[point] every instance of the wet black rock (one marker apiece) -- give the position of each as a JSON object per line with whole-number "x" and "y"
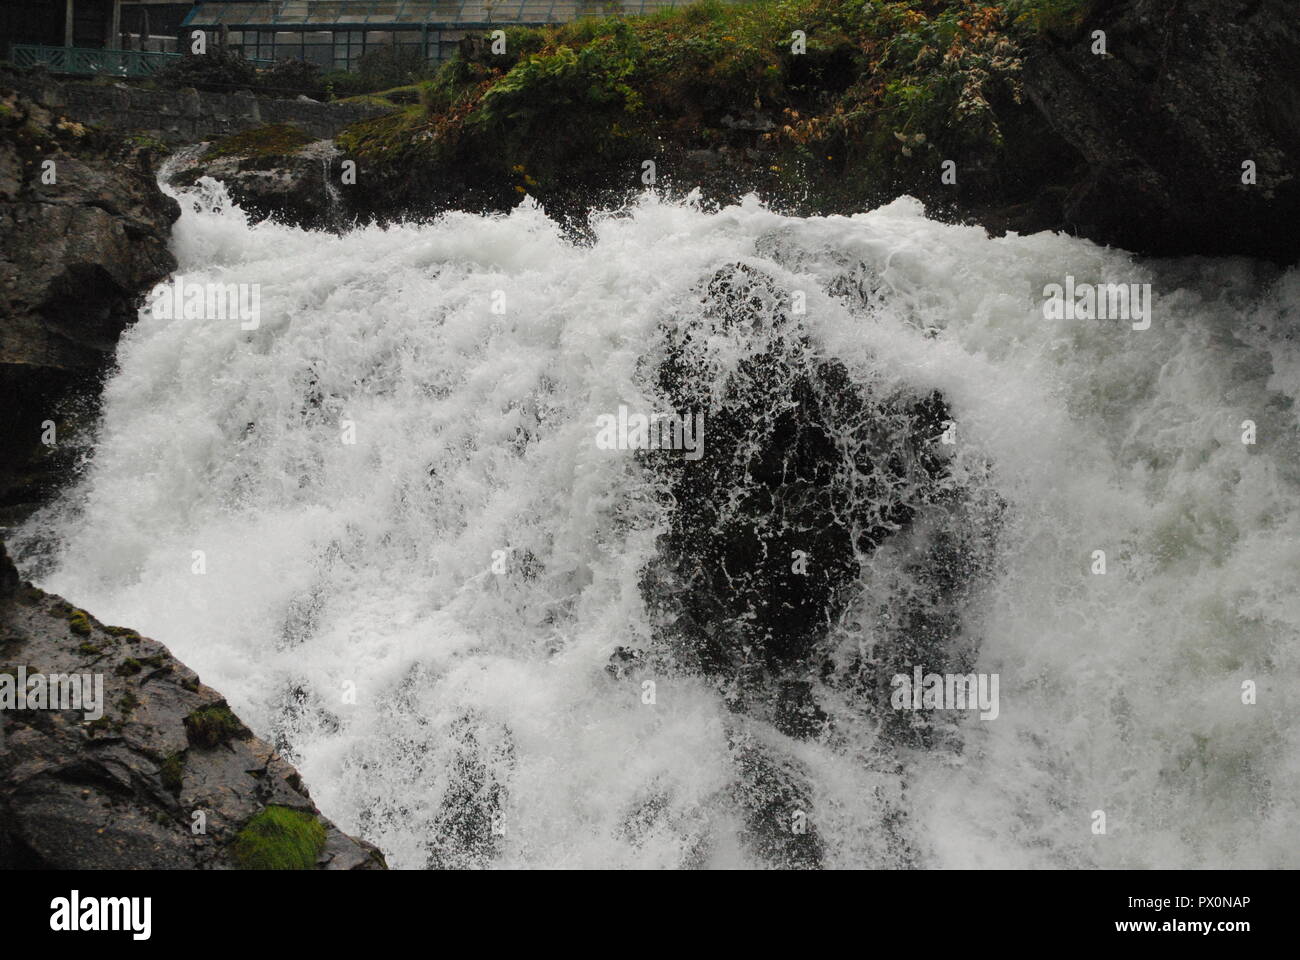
{"x": 84, "y": 233}
{"x": 803, "y": 473}
{"x": 1185, "y": 94}
{"x": 298, "y": 183}
{"x": 126, "y": 790}
{"x": 809, "y": 470}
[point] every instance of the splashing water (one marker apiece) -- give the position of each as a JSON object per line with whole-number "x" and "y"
{"x": 352, "y": 609}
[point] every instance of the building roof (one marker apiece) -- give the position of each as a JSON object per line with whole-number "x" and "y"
{"x": 326, "y": 14}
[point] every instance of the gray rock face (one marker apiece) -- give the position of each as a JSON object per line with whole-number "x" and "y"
{"x": 125, "y": 790}
{"x": 84, "y": 232}
{"x": 185, "y": 115}
{"x": 1185, "y": 94}
{"x": 300, "y": 187}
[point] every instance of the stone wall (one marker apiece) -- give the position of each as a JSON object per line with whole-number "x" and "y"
{"x": 184, "y": 116}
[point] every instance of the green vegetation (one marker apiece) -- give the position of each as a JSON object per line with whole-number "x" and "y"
{"x": 279, "y": 838}
{"x": 1057, "y": 15}
{"x": 172, "y": 772}
{"x": 393, "y": 97}
{"x": 290, "y": 78}
{"x": 147, "y": 142}
{"x": 217, "y": 71}
{"x": 79, "y": 622}
{"x": 213, "y": 726}
{"x": 379, "y": 69}
{"x": 131, "y": 666}
{"x": 274, "y": 139}
{"x": 882, "y": 91}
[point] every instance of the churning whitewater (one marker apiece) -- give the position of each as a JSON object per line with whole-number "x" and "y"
{"x": 426, "y": 582}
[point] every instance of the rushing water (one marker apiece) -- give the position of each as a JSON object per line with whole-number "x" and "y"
{"x": 455, "y": 715}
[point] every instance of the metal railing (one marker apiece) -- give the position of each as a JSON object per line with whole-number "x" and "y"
{"x": 82, "y": 61}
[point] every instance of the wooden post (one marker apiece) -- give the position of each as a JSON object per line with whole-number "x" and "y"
{"x": 115, "y": 27}
{"x": 69, "y": 18}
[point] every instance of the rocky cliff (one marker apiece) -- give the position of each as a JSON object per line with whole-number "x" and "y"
{"x": 1166, "y": 127}
{"x": 1185, "y": 97}
{"x": 84, "y": 232}
{"x": 167, "y": 777}
{"x": 159, "y": 773}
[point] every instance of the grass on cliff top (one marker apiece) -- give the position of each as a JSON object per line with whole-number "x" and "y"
{"x": 272, "y": 140}
{"x": 884, "y": 87}
{"x": 393, "y": 97}
{"x": 279, "y": 838}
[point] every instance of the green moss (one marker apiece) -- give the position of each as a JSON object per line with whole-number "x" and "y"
{"x": 128, "y": 702}
{"x": 79, "y": 622}
{"x": 131, "y": 666}
{"x": 274, "y": 140}
{"x": 172, "y": 772}
{"x": 213, "y": 726}
{"x": 382, "y": 138}
{"x": 122, "y": 633}
{"x": 89, "y": 650}
{"x": 279, "y": 838}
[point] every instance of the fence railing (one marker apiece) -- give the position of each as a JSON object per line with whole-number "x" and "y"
{"x": 87, "y": 62}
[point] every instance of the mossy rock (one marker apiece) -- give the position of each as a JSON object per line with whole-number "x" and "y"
{"x": 172, "y": 772}
{"x": 275, "y": 140}
{"x": 79, "y": 623}
{"x": 131, "y": 666}
{"x": 279, "y": 838}
{"x": 146, "y": 142}
{"x": 213, "y": 726}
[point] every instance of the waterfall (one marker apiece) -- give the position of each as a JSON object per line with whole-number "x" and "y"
{"x": 425, "y": 581}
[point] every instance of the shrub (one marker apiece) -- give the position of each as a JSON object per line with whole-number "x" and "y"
{"x": 217, "y": 71}
{"x": 292, "y": 78}
{"x": 340, "y": 84}
{"x": 387, "y": 67}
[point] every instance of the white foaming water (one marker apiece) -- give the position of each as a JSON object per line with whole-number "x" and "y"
{"x": 366, "y": 568}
